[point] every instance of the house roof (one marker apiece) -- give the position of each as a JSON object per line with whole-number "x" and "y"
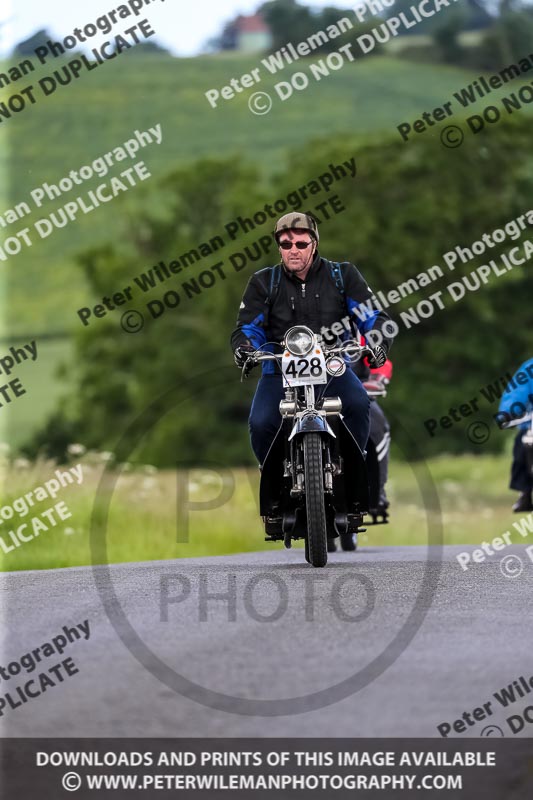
{"x": 252, "y": 24}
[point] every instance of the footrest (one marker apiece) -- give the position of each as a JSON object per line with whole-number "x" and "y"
{"x": 274, "y": 526}
{"x": 354, "y": 521}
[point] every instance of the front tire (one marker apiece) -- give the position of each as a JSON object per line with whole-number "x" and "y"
{"x": 314, "y": 498}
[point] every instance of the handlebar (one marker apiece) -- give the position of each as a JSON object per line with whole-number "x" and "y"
{"x": 512, "y": 423}
{"x": 351, "y": 348}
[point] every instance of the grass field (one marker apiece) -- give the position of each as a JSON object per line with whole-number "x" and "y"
{"x": 44, "y": 385}
{"x": 144, "y": 524}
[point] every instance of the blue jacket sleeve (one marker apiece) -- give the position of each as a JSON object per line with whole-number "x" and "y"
{"x": 363, "y": 307}
{"x": 252, "y": 316}
{"x": 517, "y": 397}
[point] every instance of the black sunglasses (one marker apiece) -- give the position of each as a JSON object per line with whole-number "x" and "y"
{"x": 290, "y": 245}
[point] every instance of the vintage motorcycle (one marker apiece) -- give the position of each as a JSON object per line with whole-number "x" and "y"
{"x": 313, "y": 481}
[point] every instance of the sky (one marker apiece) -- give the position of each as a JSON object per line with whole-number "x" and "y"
{"x": 183, "y": 26}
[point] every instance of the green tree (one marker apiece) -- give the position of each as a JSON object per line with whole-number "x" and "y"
{"x": 474, "y": 16}
{"x": 288, "y": 21}
{"x": 446, "y": 36}
{"x": 28, "y": 46}
{"x": 508, "y": 40}
{"x": 118, "y": 375}
{"x": 148, "y": 48}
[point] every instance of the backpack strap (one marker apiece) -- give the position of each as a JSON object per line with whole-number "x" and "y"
{"x": 336, "y": 274}
{"x": 275, "y": 280}
{"x": 338, "y": 278}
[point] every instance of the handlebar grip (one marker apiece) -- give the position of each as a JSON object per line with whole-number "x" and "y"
{"x": 248, "y": 365}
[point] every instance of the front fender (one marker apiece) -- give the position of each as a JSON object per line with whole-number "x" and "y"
{"x": 313, "y": 422}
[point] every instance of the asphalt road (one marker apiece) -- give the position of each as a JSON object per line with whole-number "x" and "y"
{"x": 384, "y": 642}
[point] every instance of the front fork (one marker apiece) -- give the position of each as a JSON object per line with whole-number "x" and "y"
{"x": 306, "y": 422}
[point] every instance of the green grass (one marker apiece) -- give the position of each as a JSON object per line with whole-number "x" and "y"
{"x": 143, "y": 523}
{"x": 44, "y": 386}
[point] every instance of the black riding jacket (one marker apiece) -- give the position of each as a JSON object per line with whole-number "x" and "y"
{"x": 315, "y": 302}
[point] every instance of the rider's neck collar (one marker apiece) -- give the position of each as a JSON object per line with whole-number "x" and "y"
{"x": 314, "y": 266}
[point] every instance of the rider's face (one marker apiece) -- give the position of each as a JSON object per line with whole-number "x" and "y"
{"x": 296, "y": 260}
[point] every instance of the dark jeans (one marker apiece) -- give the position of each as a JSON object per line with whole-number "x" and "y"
{"x": 265, "y": 418}
{"x": 521, "y": 480}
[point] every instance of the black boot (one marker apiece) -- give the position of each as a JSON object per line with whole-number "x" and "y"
{"x": 523, "y": 503}
{"x": 332, "y": 545}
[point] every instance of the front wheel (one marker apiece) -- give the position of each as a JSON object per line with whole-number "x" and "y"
{"x": 316, "y": 545}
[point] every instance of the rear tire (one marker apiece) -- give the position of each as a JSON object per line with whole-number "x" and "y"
{"x": 314, "y": 498}
{"x": 347, "y": 542}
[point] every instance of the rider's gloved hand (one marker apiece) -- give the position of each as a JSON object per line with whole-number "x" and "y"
{"x": 378, "y": 358}
{"x": 242, "y": 353}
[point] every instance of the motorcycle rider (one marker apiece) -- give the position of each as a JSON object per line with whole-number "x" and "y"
{"x": 520, "y": 395}
{"x": 307, "y": 295}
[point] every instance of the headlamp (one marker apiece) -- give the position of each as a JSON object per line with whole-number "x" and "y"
{"x": 299, "y": 340}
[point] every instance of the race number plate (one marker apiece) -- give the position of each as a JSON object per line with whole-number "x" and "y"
{"x": 302, "y": 370}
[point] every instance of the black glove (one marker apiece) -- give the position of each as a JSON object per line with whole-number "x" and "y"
{"x": 242, "y": 353}
{"x": 378, "y": 358}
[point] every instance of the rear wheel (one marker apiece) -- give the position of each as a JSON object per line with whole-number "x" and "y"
{"x": 347, "y": 542}
{"x": 316, "y": 544}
